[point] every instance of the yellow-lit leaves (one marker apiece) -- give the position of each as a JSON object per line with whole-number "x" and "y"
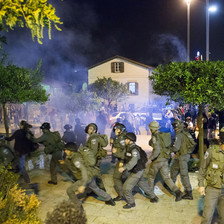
{"x": 34, "y": 14}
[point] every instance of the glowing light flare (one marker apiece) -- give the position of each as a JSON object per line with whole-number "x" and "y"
{"x": 188, "y": 2}
{"x": 212, "y": 9}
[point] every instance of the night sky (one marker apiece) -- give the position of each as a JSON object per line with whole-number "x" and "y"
{"x": 148, "y": 31}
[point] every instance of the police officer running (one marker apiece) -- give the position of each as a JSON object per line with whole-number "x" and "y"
{"x": 119, "y": 153}
{"x": 83, "y": 166}
{"x": 94, "y": 143}
{"x": 181, "y": 158}
{"x": 133, "y": 164}
{"x": 212, "y": 171}
{"x": 53, "y": 146}
{"x": 159, "y": 157}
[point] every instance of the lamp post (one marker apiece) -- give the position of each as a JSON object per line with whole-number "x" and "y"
{"x": 188, "y": 29}
{"x": 208, "y": 10}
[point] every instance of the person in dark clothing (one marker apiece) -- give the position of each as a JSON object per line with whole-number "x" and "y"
{"x": 220, "y": 113}
{"x": 211, "y": 126}
{"x": 69, "y": 135}
{"x": 188, "y": 114}
{"x": 22, "y": 147}
{"x": 80, "y": 135}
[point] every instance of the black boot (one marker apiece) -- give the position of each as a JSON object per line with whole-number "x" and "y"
{"x": 35, "y": 187}
{"x": 52, "y": 182}
{"x": 188, "y": 195}
{"x": 154, "y": 200}
{"x": 127, "y": 206}
{"x": 178, "y": 195}
{"x": 110, "y": 202}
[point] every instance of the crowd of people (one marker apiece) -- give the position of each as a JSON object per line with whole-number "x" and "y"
{"x": 79, "y": 153}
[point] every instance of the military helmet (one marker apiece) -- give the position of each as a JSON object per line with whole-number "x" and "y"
{"x": 91, "y": 125}
{"x": 119, "y": 126}
{"x": 67, "y": 127}
{"x": 154, "y": 125}
{"x": 131, "y": 136}
{"x": 178, "y": 124}
{"x": 45, "y": 125}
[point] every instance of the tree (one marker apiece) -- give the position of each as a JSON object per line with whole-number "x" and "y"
{"x": 19, "y": 85}
{"x": 198, "y": 82}
{"x": 33, "y": 14}
{"x": 109, "y": 90}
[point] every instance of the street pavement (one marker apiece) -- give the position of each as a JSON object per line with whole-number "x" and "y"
{"x": 166, "y": 211}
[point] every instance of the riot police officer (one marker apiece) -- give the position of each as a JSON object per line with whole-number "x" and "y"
{"x": 181, "y": 158}
{"x": 133, "y": 164}
{"x": 94, "y": 143}
{"x": 212, "y": 170}
{"x": 159, "y": 157}
{"x": 83, "y": 166}
{"x": 119, "y": 152}
{"x": 53, "y": 146}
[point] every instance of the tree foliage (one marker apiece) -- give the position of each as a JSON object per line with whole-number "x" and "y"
{"x": 109, "y": 90}
{"x": 19, "y": 85}
{"x": 198, "y": 82}
{"x": 34, "y": 14}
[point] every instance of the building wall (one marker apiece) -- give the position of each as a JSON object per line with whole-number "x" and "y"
{"x": 132, "y": 73}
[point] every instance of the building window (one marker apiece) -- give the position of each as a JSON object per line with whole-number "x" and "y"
{"x": 133, "y": 88}
{"x": 117, "y": 67}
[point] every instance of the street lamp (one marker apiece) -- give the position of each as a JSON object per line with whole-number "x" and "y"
{"x": 188, "y": 29}
{"x": 208, "y": 10}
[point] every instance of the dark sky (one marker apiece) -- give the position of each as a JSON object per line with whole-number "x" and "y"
{"x": 148, "y": 31}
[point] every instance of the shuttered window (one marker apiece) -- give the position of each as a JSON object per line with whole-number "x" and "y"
{"x": 117, "y": 67}
{"x": 133, "y": 88}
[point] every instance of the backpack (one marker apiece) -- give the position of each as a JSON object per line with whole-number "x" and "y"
{"x": 165, "y": 139}
{"x": 102, "y": 153}
{"x": 142, "y": 161}
{"x": 188, "y": 142}
{"x": 87, "y": 156}
{"x": 56, "y": 136}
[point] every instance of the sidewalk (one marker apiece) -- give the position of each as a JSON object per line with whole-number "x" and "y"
{"x": 166, "y": 211}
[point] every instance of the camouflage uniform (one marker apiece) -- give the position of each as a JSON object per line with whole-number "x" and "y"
{"x": 180, "y": 161}
{"x": 159, "y": 158}
{"x": 136, "y": 177}
{"x": 119, "y": 144}
{"x": 93, "y": 143}
{"x": 212, "y": 171}
{"x": 85, "y": 173}
{"x": 54, "y": 148}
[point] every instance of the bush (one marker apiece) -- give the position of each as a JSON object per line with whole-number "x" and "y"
{"x": 67, "y": 212}
{"x": 15, "y": 205}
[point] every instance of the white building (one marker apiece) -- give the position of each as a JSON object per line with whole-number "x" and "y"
{"x": 126, "y": 71}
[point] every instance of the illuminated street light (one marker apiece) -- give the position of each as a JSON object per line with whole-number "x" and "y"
{"x": 208, "y": 10}
{"x": 188, "y": 29}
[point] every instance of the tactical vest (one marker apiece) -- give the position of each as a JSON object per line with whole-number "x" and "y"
{"x": 165, "y": 143}
{"x": 215, "y": 171}
{"x": 102, "y": 141}
{"x": 119, "y": 144}
{"x": 53, "y": 143}
{"x": 141, "y": 161}
{"x": 86, "y": 157}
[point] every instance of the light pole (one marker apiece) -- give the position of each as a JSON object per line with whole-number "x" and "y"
{"x": 208, "y": 9}
{"x": 188, "y": 29}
